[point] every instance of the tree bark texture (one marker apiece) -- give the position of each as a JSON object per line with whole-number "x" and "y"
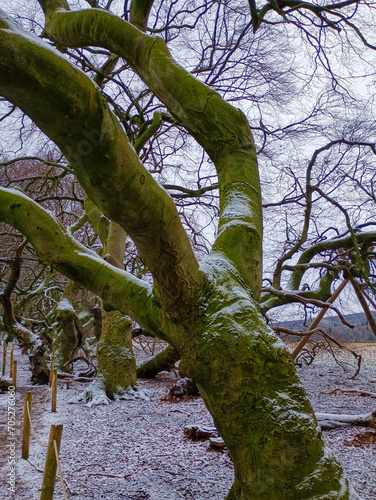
{"x": 247, "y": 380}
{"x": 116, "y": 362}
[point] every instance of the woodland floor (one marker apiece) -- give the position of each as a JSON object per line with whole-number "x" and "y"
{"x": 137, "y": 449}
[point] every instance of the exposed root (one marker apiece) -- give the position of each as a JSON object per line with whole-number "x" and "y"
{"x": 95, "y": 394}
{"x": 135, "y": 392}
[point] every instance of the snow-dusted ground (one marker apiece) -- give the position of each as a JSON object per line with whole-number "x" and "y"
{"x": 137, "y": 450}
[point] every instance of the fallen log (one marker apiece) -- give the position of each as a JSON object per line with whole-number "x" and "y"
{"x": 326, "y": 421}
{"x": 199, "y": 432}
{"x": 163, "y": 360}
{"x": 217, "y": 443}
{"x": 329, "y": 421}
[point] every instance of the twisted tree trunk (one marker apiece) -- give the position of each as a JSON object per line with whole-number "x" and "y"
{"x": 248, "y": 382}
{"x": 116, "y": 374}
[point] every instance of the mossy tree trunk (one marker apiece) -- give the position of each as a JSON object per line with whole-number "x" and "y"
{"x": 209, "y": 313}
{"x": 248, "y": 382}
{"x": 116, "y": 361}
{"x": 36, "y": 346}
{"x": 70, "y": 336}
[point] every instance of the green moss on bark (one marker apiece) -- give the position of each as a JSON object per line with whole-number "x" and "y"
{"x": 221, "y": 129}
{"x": 76, "y": 117}
{"x": 248, "y": 382}
{"x": 116, "y": 363}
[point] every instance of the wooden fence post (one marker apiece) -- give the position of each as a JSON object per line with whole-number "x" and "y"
{"x": 11, "y": 359}
{"x": 54, "y": 391}
{"x": 51, "y": 370}
{"x": 14, "y": 373}
{"x": 26, "y": 425}
{"x": 50, "y": 467}
{"x": 5, "y": 347}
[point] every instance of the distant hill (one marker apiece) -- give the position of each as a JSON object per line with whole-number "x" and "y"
{"x": 334, "y": 327}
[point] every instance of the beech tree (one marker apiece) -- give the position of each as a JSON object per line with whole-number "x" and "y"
{"x": 208, "y": 310}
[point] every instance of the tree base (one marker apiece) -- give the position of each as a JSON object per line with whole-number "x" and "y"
{"x": 95, "y": 394}
{"x": 313, "y": 487}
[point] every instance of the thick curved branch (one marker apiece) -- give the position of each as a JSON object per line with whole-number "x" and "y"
{"x": 332, "y": 244}
{"x": 76, "y": 117}
{"x": 218, "y": 127}
{"x": 118, "y": 289}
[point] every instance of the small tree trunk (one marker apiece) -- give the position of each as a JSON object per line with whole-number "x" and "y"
{"x": 116, "y": 362}
{"x": 40, "y": 374}
{"x": 71, "y": 335}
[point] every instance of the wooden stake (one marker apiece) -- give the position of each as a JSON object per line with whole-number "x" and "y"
{"x": 5, "y": 347}
{"x": 54, "y": 391}
{"x": 14, "y": 373}
{"x": 11, "y": 359}
{"x": 319, "y": 317}
{"x": 51, "y": 370}
{"x": 26, "y": 425}
{"x": 49, "y": 476}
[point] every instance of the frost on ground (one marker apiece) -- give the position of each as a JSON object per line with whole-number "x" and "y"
{"x": 135, "y": 448}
